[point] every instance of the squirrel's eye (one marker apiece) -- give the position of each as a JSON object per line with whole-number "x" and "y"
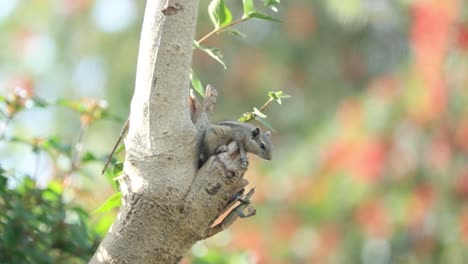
{"x": 262, "y": 146}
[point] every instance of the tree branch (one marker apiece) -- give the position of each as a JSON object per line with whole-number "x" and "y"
{"x": 167, "y": 204}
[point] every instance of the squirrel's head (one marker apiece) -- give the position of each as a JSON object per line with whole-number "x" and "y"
{"x": 263, "y": 143}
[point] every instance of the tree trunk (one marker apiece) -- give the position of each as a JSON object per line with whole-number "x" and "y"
{"x": 167, "y": 203}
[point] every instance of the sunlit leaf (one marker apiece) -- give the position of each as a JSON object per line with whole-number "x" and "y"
{"x": 115, "y": 200}
{"x": 219, "y": 14}
{"x": 212, "y": 52}
{"x": 271, "y": 2}
{"x": 249, "y": 7}
{"x": 118, "y": 168}
{"x": 262, "y": 16}
{"x": 103, "y": 223}
{"x": 234, "y": 32}
{"x": 196, "y": 84}
{"x": 258, "y": 113}
{"x": 88, "y": 156}
{"x": 278, "y": 96}
{"x": 247, "y": 117}
{"x": 119, "y": 149}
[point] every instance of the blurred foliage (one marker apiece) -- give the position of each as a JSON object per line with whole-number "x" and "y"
{"x": 37, "y": 226}
{"x": 370, "y": 155}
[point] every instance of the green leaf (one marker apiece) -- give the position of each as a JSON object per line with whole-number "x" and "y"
{"x": 196, "y": 84}
{"x": 265, "y": 123}
{"x": 247, "y": 117}
{"x": 249, "y": 7}
{"x": 273, "y": 95}
{"x": 234, "y": 32}
{"x": 212, "y": 52}
{"x": 278, "y": 95}
{"x": 258, "y": 113}
{"x": 219, "y": 14}
{"x": 88, "y": 156}
{"x": 118, "y": 168}
{"x": 262, "y": 16}
{"x": 103, "y": 223}
{"x": 56, "y": 144}
{"x": 271, "y": 2}
{"x": 115, "y": 200}
{"x": 3, "y": 181}
{"x": 119, "y": 149}
{"x": 37, "y": 102}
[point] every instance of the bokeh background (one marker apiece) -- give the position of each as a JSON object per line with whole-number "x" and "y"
{"x": 370, "y": 160}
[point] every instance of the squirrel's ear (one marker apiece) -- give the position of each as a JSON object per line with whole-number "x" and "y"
{"x": 255, "y": 132}
{"x": 268, "y": 134}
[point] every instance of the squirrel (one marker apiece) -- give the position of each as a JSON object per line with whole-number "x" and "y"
{"x": 249, "y": 138}
{"x": 215, "y": 136}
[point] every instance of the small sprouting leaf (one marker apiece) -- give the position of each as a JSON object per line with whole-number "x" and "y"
{"x": 196, "y": 84}
{"x": 220, "y": 15}
{"x": 113, "y": 201}
{"x": 258, "y": 113}
{"x": 212, "y": 52}
{"x": 265, "y": 123}
{"x": 247, "y": 117}
{"x": 262, "y": 16}
{"x": 273, "y": 95}
{"x": 248, "y": 7}
{"x": 234, "y": 32}
{"x": 278, "y": 95}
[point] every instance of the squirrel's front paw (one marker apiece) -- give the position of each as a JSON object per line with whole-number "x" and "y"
{"x": 221, "y": 149}
{"x": 244, "y": 163}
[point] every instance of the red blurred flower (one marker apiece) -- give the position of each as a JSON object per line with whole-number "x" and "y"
{"x": 461, "y": 184}
{"x": 373, "y": 218}
{"x": 329, "y": 238}
{"x": 439, "y": 154}
{"x": 464, "y": 226}
{"x": 430, "y": 36}
{"x": 300, "y": 22}
{"x": 419, "y": 205}
{"x": 368, "y": 160}
{"x": 462, "y": 36}
{"x": 461, "y": 135}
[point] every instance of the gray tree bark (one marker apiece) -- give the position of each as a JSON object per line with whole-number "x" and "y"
{"x": 167, "y": 203}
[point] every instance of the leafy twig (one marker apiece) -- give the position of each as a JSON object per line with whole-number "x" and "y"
{"x": 217, "y": 30}
{"x": 258, "y": 114}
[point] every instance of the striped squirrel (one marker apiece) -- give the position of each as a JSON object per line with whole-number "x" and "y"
{"x": 249, "y": 138}
{"x": 215, "y": 136}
